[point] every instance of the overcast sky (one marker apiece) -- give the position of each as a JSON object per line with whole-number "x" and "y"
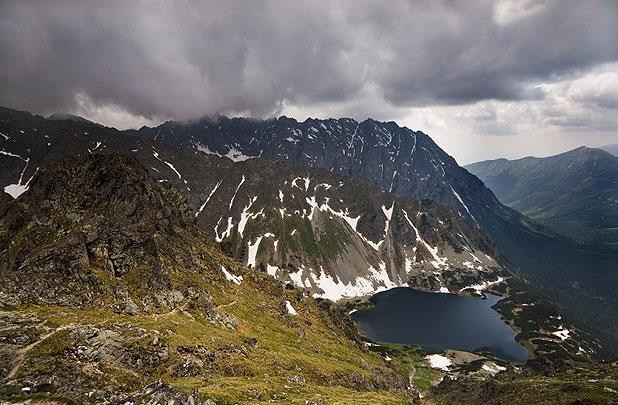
{"x": 485, "y": 79}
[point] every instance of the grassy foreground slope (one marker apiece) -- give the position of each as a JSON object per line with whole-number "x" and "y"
{"x": 268, "y": 354}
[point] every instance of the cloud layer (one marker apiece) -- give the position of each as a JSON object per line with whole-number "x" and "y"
{"x": 146, "y": 60}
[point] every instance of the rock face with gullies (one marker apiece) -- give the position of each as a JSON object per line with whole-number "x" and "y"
{"x": 315, "y": 228}
{"x": 339, "y": 237}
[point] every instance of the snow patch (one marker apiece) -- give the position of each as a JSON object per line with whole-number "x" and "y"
{"x": 15, "y": 190}
{"x": 246, "y": 216}
{"x": 230, "y": 277}
{"x": 438, "y": 361}
{"x": 156, "y": 155}
{"x": 233, "y": 154}
{"x": 388, "y": 213}
{"x": 482, "y": 286}
{"x": 208, "y": 198}
{"x": 493, "y": 368}
{"x": 334, "y": 290}
{"x": 562, "y": 333}
{"x": 290, "y": 308}
{"x": 226, "y": 233}
{"x": 253, "y": 250}
{"x": 271, "y": 270}
{"x": 464, "y": 205}
{"x": 3, "y": 152}
{"x": 237, "y": 188}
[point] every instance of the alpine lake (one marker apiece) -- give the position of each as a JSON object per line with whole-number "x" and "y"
{"x": 436, "y": 321}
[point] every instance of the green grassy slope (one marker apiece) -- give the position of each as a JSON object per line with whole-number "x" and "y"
{"x": 575, "y": 193}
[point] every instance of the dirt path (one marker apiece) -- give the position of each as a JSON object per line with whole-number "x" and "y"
{"x": 21, "y": 353}
{"x": 226, "y": 305}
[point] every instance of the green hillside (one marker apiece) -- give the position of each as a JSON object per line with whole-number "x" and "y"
{"x": 575, "y": 193}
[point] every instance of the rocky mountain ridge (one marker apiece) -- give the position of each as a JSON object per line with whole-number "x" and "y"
{"x": 346, "y": 244}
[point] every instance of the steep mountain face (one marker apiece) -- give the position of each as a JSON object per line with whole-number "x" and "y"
{"x": 335, "y": 236}
{"x": 396, "y": 159}
{"x": 340, "y": 237}
{"x": 575, "y": 193}
{"x": 108, "y": 288}
{"x": 582, "y": 279}
{"x": 112, "y": 215}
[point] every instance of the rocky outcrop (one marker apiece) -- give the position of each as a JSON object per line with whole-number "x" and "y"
{"x": 108, "y": 288}
{"x": 96, "y": 231}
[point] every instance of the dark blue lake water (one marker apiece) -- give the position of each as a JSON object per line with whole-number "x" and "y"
{"x": 436, "y": 322}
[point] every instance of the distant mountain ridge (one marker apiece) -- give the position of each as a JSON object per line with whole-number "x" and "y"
{"x": 575, "y": 193}
{"x": 613, "y": 148}
{"x": 69, "y": 117}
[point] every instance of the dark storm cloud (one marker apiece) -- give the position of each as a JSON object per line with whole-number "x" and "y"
{"x": 184, "y": 58}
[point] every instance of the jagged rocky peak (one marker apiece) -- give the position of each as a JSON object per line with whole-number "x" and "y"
{"x": 394, "y": 158}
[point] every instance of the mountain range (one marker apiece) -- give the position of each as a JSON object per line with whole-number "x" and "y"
{"x": 574, "y": 193}
{"x": 215, "y": 248}
{"x": 470, "y": 239}
{"x": 308, "y": 226}
{"x": 112, "y": 293}
{"x": 408, "y": 163}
